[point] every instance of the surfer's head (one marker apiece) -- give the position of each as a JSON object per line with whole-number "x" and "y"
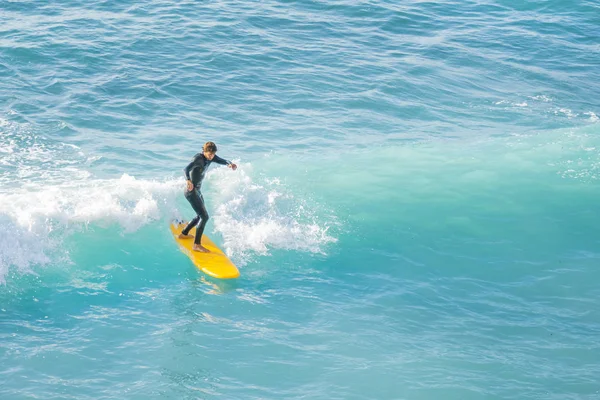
{"x": 209, "y": 149}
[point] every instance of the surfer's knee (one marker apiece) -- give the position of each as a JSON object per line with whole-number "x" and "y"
{"x": 202, "y": 218}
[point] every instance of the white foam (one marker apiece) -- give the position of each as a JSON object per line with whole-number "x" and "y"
{"x": 570, "y": 114}
{"x": 255, "y": 217}
{"x": 521, "y": 104}
{"x": 543, "y": 98}
{"x": 593, "y": 116}
{"x": 251, "y": 216}
{"x": 31, "y": 215}
{"x": 20, "y": 248}
{"x": 126, "y": 201}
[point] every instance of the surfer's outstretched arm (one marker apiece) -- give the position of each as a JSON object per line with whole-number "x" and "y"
{"x": 222, "y": 161}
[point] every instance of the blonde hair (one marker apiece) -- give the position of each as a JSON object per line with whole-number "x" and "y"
{"x": 210, "y": 147}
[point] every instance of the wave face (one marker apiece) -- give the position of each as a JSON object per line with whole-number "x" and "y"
{"x": 414, "y": 213}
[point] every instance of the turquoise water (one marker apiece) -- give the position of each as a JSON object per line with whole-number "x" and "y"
{"x": 415, "y": 213}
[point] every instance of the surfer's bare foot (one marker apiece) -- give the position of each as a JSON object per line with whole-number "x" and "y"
{"x": 200, "y": 248}
{"x": 182, "y": 236}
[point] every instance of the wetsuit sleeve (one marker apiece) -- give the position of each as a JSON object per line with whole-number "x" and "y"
{"x": 221, "y": 161}
{"x": 191, "y": 165}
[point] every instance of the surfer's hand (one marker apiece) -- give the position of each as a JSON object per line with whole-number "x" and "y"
{"x": 232, "y": 166}
{"x": 190, "y": 186}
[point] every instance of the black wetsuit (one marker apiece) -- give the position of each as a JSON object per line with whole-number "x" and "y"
{"x": 195, "y": 172}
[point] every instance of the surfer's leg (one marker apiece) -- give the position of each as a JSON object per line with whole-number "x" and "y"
{"x": 197, "y": 202}
{"x": 203, "y": 214}
{"x": 192, "y": 198}
{"x": 189, "y": 226}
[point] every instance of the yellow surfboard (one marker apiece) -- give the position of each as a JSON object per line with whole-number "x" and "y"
{"x": 215, "y": 263}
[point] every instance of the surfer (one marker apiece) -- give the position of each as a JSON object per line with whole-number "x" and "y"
{"x": 194, "y": 173}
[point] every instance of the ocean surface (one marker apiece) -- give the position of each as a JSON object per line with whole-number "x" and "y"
{"x": 415, "y": 214}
